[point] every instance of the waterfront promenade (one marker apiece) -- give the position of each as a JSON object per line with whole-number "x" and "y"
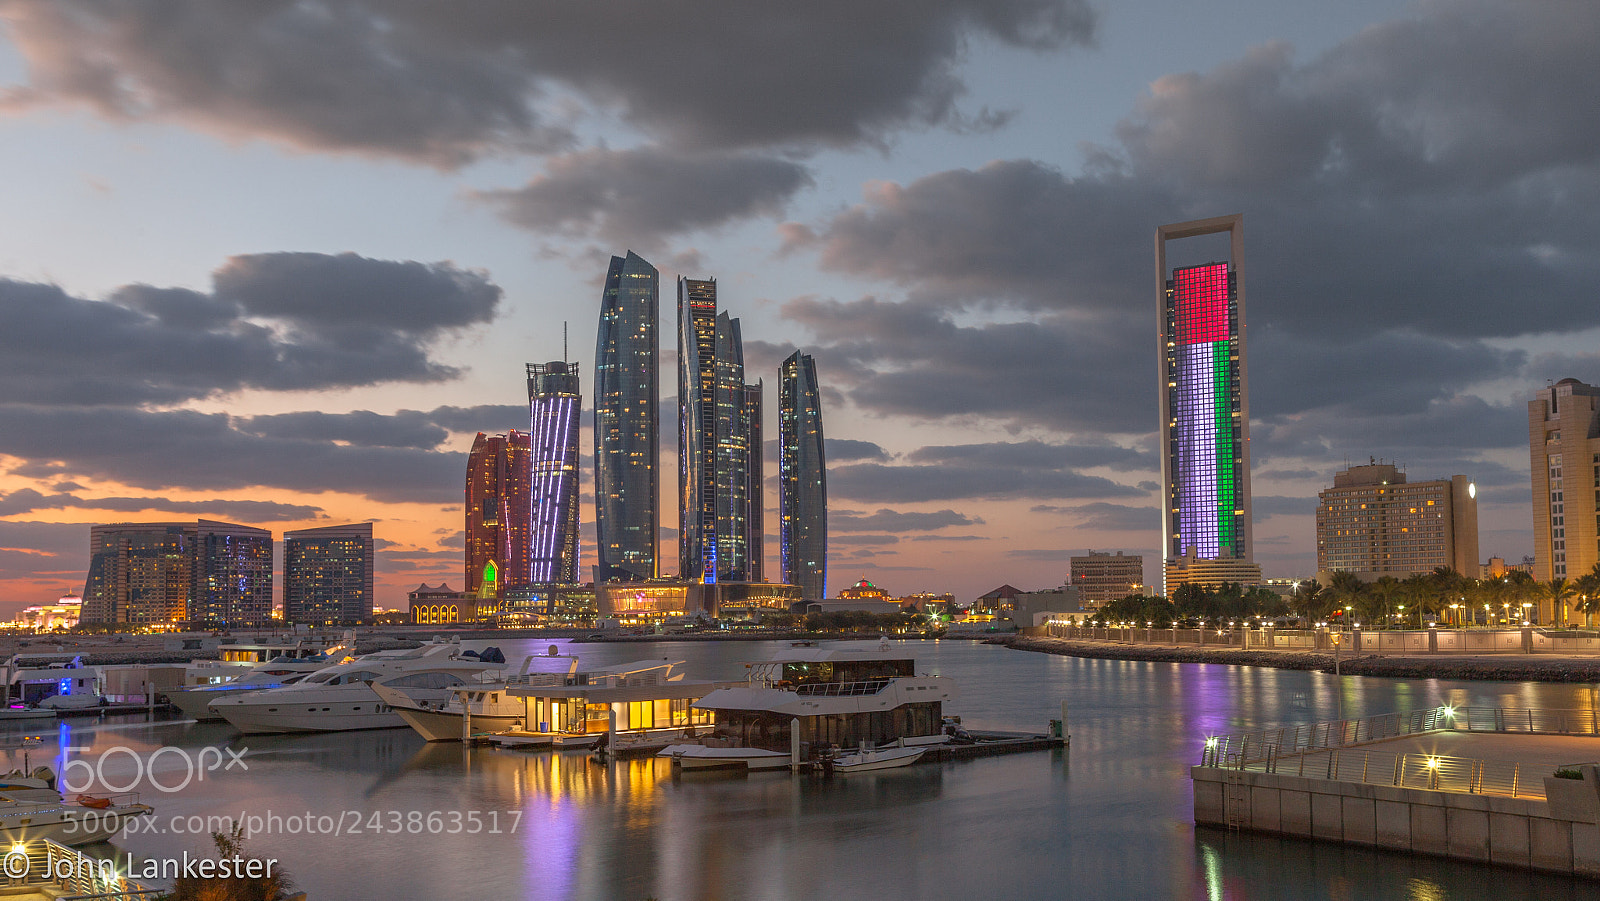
{"x": 1495, "y": 661}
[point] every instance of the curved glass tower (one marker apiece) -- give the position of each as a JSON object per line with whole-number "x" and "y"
{"x": 627, "y": 439}
{"x": 802, "y": 478}
{"x": 554, "y": 402}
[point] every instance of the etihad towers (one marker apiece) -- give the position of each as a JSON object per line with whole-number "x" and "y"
{"x": 1205, "y": 409}
{"x": 802, "y": 478}
{"x": 627, "y": 438}
{"x": 719, "y": 444}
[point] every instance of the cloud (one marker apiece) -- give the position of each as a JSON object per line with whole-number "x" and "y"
{"x": 848, "y": 450}
{"x": 873, "y": 540}
{"x": 1264, "y": 507}
{"x": 635, "y": 197}
{"x": 1035, "y": 455}
{"x": 886, "y": 520}
{"x": 1040, "y": 553}
{"x": 278, "y": 322}
{"x": 443, "y": 84}
{"x": 26, "y": 500}
{"x": 877, "y": 483}
{"x": 1107, "y": 517}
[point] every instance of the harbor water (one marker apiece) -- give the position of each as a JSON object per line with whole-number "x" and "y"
{"x": 383, "y": 814}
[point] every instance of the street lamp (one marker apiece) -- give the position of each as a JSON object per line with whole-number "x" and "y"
{"x": 1525, "y": 612}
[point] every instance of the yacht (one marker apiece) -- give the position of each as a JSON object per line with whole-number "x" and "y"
{"x": 32, "y": 808}
{"x": 340, "y": 698}
{"x": 842, "y": 697}
{"x": 195, "y": 700}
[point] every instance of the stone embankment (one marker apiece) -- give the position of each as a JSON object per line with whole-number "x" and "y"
{"x": 1491, "y": 667}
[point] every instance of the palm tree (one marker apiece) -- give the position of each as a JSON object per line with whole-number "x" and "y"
{"x": 1588, "y": 586}
{"x": 1556, "y": 591}
{"x": 1346, "y": 590}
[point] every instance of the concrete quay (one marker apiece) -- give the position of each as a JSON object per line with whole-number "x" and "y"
{"x": 1486, "y": 797}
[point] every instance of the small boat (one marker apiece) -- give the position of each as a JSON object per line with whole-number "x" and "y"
{"x": 32, "y": 808}
{"x": 27, "y": 713}
{"x": 701, "y": 757}
{"x": 864, "y": 761}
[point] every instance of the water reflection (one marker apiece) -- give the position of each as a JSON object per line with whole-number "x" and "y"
{"x": 1110, "y": 819}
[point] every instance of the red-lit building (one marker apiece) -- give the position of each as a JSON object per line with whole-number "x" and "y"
{"x": 498, "y": 513}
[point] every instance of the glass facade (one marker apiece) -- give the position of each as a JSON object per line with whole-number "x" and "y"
{"x": 211, "y": 573}
{"x": 232, "y": 575}
{"x": 498, "y": 508}
{"x": 555, "y": 404}
{"x": 327, "y": 574}
{"x": 1205, "y": 439}
{"x": 802, "y": 478}
{"x": 627, "y": 439}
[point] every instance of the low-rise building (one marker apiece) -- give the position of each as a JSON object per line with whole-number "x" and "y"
{"x": 1209, "y": 572}
{"x": 1103, "y": 577}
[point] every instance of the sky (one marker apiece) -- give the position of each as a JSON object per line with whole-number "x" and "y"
{"x": 277, "y": 263}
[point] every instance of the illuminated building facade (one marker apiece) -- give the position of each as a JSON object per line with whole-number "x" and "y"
{"x": 802, "y": 478}
{"x": 498, "y": 506}
{"x": 663, "y": 598}
{"x": 1205, "y": 413}
{"x": 627, "y": 439}
{"x": 553, "y": 462}
{"x": 327, "y": 574}
{"x": 719, "y": 445}
{"x": 205, "y": 572}
{"x": 1374, "y": 523}
{"x": 1105, "y": 577}
{"x": 1564, "y": 460}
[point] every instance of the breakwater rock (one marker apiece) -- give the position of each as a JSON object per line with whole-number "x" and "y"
{"x": 1488, "y": 667}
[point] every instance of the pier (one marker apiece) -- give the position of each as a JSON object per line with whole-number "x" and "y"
{"x": 1517, "y": 787}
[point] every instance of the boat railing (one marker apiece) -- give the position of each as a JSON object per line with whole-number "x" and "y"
{"x": 71, "y": 874}
{"x": 842, "y": 689}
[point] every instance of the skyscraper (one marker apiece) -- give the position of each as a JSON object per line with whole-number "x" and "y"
{"x": 714, "y": 434}
{"x": 327, "y": 574}
{"x": 627, "y": 438}
{"x": 498, "y": 506}
{"x": 1564, "y": 462}
{"x": 1205, "y": 410}
{"x": 555, "y": 403}
{"x": 755, "y": 482}
{"x": 207, "y": 572}
{"x": 802, "y": 478}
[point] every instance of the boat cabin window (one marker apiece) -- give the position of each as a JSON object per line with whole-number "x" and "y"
{"x": 426, "y": 680}
{"x": 320, "y": 677}
{"x": 847, "y": 671}
{"x": 361, "y": 676}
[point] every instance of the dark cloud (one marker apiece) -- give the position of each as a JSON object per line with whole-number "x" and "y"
{"x": 1107, "y": 517}
{"x": 863, "y": 539}
{"x": 1264, "y": 507}
{"x": 405, "y": 428}
{"x": 1035, "y": 455}
{"x": 946, "y": 538}
{"x": 484, "y": 418}
{"x": 1289, "y": 474}
{"x": 275, "y": 321}
{"x": 848, "y": 450}
{"x": 1040, "y": 553}
{"x": 886, "y": 520}
{"x": 635, "y": 197}
{"x": 877, "y": 483}
{"x": 184, "y": 449}
{"x": 445, "y": 83}
{"x": 26, "y": 500}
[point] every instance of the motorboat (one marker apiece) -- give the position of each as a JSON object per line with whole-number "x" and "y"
{"x": 31, "y": 808}
{"x": 340, "y": 698}
{"x": 805, "y": 701}
{"x": 513, "y": 704}
{"x": 34, "y": 679}
{"x": 27, "y": 713}
{"x": 869, "y": 759}
{"x": 195, "y": 701}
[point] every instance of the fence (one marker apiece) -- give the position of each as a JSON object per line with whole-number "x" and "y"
{"x": 1241, "y": 751}
{"x": 1356, "y": 641}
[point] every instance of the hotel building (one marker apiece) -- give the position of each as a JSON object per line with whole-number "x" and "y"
{"x": 205, "y": 572}
{"x": 327, "y": 574}
{"x": 1374, "y": 523}
{"x": 627, "y": 438}
{"x": 1564, "y": 460}
{"x": 555, "y": 405}
{"x": 498, "y": 506}
{"x": 802, "y": 478}
{"x": 1205, "y": 411}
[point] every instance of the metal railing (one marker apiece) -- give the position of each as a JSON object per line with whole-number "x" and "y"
{"x": 1529, "y": 720}
{"x": 1434, "y": 772}
{"x": 1239, "y": 751}
{"x": 72, "y": 873}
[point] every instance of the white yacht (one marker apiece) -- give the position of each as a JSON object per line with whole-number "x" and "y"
{"x": 843, "y": 697}
{"x": 195, "y": 700}
{"x": 32, "y": 808}
{"x": 340, "y": 698}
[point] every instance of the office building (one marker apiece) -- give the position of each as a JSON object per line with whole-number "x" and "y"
{"x": 554, "y": 402}
{"x": 1209, "y": 572}
{"x": 627, "y": 439}
{"x": 717, "y": 507}
{"x": 327, "y": 574}
{"x": 1103, "y": 577}
{"x": 1564, "y": 460}
{"x": 498, "y": 506}
{"x": 1375, "y": 523}
{"x": 1205, "y": 410}
{"x": 755, "y": 484}
{"x": 205, "y": 573}
{"x": 802, "y": 478}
